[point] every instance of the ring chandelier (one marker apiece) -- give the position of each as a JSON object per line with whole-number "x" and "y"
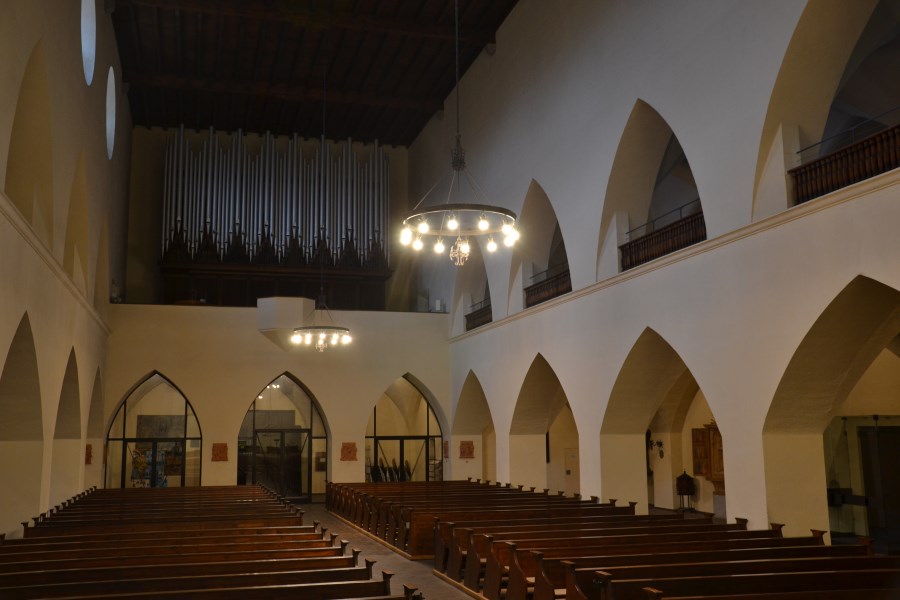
{"x": 458, "y": 221}
{"x": 323, "y": 336}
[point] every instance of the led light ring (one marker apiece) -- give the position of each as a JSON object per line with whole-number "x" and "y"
{"x": 461, "y": 211}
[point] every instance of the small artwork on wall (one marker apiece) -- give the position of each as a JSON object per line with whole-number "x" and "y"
{"x": 220, "y": 452}
{"x": 88, "y": 454}
{"x": 467, "y": 449}
{"x": 348, "y": 451}
{"x": 321, "y": 461}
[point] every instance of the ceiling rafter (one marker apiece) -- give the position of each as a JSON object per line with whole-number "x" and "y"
{"x": 309, "y": 18}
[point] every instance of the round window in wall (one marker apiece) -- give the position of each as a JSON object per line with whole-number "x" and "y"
{"x": 88, "y": 38}
{"x": 110, "y": 112}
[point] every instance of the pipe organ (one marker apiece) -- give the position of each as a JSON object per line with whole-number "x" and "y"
{"x": 279, "y": 210}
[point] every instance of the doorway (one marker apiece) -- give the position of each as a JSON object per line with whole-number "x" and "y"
{"x": 281, "y": 461}
{"x": 880, "y": 453}
{"x": 154, "y": 463}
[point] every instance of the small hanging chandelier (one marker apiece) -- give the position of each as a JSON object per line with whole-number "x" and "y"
{"x": 321, "y": 333}
{"x": 458, "y": 221}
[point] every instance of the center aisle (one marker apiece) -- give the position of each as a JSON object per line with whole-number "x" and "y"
{"x": 417, "y": 573}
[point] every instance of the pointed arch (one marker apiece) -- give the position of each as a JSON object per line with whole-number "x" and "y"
{"x": 66, "y": 464}
{"x": 542, "y": 431}
{"x": 283, "y": 440}
{"x": 404, "y": 434}
{"x": 654, "y": 392}
{"x": 857, "y": 326}
{"x": 154, "y": 437}
{"x": 474, "y": 424}
{"x": 650, "y": 187}
{"x": 531, "y": 264}
{"x": 93, "y": 463}
{"x": 21, "y": 431}
{"x": 29, "y": 168}
{"x": 76, "y": 248}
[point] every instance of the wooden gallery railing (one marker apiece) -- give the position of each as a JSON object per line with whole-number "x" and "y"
{"x": 866, "y": 158}
{"x": 556, "y": 282}
{"x": 675, "y": 236}
{"x": 480, "y": 315}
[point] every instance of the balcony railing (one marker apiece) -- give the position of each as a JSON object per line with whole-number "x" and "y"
{"x": 551, "y": 283}
{"x": 479, "y": 315}
{"x": 653, "y": 243}
{"x": 866, "y": 158}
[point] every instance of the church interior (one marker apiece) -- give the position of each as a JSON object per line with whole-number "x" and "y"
{"x": 703, "y": 278}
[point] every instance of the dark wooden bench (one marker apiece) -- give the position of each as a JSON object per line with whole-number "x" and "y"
{"x": 497, "y": 553}
{"x": 530, "y": 568}
{"x": 724, "y": 585}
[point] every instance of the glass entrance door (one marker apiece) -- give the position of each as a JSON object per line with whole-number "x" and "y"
{"x": 154, "y": 463}
{"x": 282, "y": 461}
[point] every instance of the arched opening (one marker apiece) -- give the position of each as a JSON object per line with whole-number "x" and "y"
{"x": 823, "y": 472}
{"x": 283, "y": 442}
{"x": 543, "y": 436}
{"x": 540, "y": 267}
{"x": 473, "y": 440}
{"x": 75, "y": 256}
{"x": 93, "y": 462}
{"x": 21, "y": 432}
{"x": 66, "y": 464}
{"x": 29, "y": 168}
{"x": 403, "y": 436}
{"x": 652, "y": 205}
{"x": 657, "y": 426}
{"x": 154, "y": 439}
{"x": 859, "y": 136}
{"x": 472, "y": 294}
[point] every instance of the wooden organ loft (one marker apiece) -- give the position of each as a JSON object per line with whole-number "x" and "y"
{"x": 291, "y": 223}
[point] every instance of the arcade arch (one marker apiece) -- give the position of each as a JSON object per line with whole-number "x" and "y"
{"x": 473, "y": 441}
{"x": 154, "y": 438}
{"x": 66, "y": 463}
{"x": 283, "y": 441}
{"x": 842, "y": 367}
{"x": 543, "y": 435}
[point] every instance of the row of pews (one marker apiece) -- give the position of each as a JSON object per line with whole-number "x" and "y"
{"x": 209, "y": 542}
{"x": 499, "y": 542}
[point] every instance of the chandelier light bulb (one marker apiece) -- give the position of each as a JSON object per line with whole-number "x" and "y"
{"x": 346, "y": 339}
{"x": 508, "y": 241}
{"x": 423, "y": 226}
{"x": 439, "y": 247}
{"x": 483, "y": 223}
{"x": 417, "y": 244}
{"x": 506, "y": 228}
{"x": 307, "y": 339}
{"x": 452, "y": 224}
{"x": 406, "y": 236}
{"x": 464, "y": 247}
{"x": 321, "y": 336}
{"x": 296, "y": 338}
{"x": 514, "y": 234}
{"x": 491, "y": 245}
{"x": 334, "y": 338}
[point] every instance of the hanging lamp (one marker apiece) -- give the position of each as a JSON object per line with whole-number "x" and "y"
{"x": 465, "y": 214}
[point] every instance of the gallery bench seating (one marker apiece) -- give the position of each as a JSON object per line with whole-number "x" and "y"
{"x": 224, "y": 542}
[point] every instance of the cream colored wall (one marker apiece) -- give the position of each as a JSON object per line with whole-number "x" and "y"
{"x": 528, "y": 461}
{"x": 65, "y": 306}
{"x": 698, "y": 415}
{"x": 563, "y": 437}
{"x": 221, "y": 357}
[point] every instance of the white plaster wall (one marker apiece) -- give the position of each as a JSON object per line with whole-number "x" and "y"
{"x": 527, "y": 461}
{"x": 64, "y": 313}
{"x": 791, "y": 266}
{"x": 219, "y": 359}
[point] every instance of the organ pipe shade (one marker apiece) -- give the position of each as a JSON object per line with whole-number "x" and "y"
{"x": 335, "y": 192}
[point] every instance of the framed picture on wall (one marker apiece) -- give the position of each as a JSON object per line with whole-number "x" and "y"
{"x": 320, "y": 461}
{"x": 700, "y": 451}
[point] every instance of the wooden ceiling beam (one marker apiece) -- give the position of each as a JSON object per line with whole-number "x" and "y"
{"x": 280, "y": 91}
{"x": 318, "y": 19}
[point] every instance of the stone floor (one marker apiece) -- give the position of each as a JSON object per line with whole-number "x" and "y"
{"x": 417, "y": 573}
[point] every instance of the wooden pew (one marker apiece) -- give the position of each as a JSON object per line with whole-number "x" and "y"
{"x": 363, "y": 590}
{"x": 451, "y": 533}
{"x": 723, "y": 585}
{"x": 548, "y": 575}
{"x": 497, "y": 553}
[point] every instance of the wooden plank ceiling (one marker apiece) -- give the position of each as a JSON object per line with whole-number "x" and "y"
{"x": 258, "y": 65}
